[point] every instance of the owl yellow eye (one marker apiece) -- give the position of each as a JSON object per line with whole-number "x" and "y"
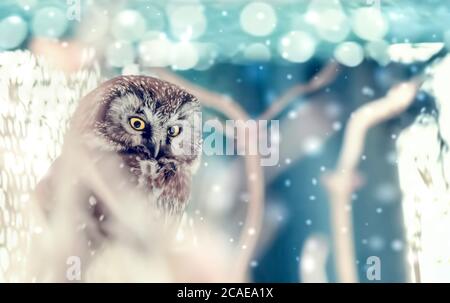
{"x": 174, "y": 131}
{"x": 137, "y": 123}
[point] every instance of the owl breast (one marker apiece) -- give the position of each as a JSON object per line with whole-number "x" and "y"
{"x": 166, "y": 182}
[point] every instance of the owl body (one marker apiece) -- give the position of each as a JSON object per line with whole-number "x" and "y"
{"x": 166, "y": 181}
{"x": 139, "y": 136}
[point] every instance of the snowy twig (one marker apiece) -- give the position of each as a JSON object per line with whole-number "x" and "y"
{"x": 321, "y": 79}
{"x": 342, "y": 182}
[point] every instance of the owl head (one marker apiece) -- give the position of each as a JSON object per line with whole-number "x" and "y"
{"x": 141, "y": 115}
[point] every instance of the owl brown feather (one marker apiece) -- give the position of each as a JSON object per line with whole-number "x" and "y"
{"x": 149, "y": 159}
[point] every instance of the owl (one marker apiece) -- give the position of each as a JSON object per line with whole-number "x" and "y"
{"x": 148, "y": 129}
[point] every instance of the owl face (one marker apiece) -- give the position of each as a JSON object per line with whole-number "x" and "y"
{"x": 150, "y": 118}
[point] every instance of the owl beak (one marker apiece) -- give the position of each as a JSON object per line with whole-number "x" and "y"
{"x": 156, "y": 148}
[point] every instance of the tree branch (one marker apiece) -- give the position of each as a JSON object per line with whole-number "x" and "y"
{"x": 345, "y": 179}
{"x": 324, "y": 77}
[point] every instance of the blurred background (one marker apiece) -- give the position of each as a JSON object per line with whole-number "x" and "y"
{"x": 308, "y": 64}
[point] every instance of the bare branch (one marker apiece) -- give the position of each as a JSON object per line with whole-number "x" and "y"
{"x": 324, "y": 77}
{"x": 345, "y": 179}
